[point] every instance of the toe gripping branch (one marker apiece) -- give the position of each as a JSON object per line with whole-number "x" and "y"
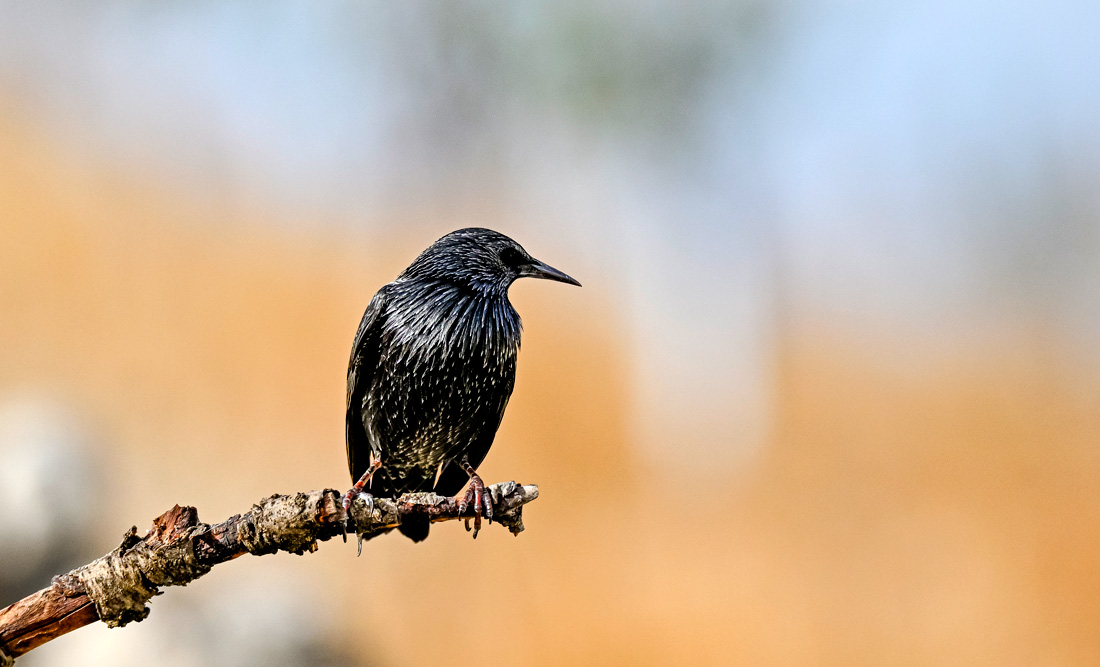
{"x": 481, "y": 499}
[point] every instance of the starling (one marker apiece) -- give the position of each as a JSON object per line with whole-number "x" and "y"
{"x": 432, "y": 368}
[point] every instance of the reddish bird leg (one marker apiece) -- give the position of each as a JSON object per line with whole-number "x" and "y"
{"x": 479, "y": 496}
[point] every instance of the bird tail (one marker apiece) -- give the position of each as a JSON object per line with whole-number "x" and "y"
{"x": 415, "y": 526}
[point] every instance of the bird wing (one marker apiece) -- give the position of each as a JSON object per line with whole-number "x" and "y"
{"x": 365, "y": 353}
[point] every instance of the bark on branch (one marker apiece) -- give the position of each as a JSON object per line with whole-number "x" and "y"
{"x": 179, "y": 549}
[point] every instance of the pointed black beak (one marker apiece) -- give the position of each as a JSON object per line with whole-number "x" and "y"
{"x": 537, "y": 269}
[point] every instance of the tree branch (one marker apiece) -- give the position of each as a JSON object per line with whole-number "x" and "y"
{"x": 179, "y": 549}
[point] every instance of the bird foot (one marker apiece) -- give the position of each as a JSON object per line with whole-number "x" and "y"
{"x": 357, "y": 490}
{"x": 349, "y": 498}
{"x": 482, "y": 501}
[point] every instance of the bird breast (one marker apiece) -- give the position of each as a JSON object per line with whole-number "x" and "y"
{"x": 447, "y": 368}
{"x": 447, "y": 357}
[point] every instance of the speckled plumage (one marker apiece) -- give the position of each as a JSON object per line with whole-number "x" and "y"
{"x": 433, "y": 364}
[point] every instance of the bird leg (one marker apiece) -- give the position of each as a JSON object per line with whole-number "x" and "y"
{"x": 357, "y": 490}
{"x": 479, "y": 496}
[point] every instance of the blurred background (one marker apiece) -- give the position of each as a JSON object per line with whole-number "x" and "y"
{"x": 829, "y": 395}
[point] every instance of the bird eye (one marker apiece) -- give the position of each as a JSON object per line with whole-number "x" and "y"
{"x": 512, "y": 257}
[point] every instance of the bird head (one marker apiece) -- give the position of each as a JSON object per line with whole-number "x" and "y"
{"x": 481, "y": 259}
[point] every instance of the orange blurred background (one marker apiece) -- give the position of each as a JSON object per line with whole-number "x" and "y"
{"x": 828, "y": 395}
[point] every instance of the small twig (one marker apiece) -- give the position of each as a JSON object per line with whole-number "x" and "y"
{"x": 179, "y": 549}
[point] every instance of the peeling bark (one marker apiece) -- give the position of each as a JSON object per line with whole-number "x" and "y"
{"x": 178, "y": 549}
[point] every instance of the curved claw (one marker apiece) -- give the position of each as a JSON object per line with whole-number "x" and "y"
{"x": 369, "y": 500}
